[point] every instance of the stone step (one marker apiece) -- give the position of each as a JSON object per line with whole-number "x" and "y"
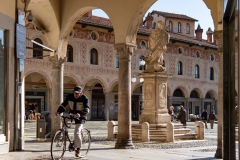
{"x": 185, "y": 136}
{"x": 182, "y": 130}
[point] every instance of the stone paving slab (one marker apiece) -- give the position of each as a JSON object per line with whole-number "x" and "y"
{"x": 41, "y": 151}
{"x": 101, "y": 150}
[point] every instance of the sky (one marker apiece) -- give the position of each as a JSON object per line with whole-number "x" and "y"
{"x": 193, "y": 8}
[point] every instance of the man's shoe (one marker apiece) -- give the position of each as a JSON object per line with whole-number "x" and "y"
{"x": 77, "y": 153}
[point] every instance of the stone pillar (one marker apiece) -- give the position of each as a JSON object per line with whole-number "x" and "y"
{"x": 107, "y": 106}
{"x": 200, "y": 130}
{"x": 170, "y": 132}
{"x": 124, "y": 138}
{"x": 155, "y": 98}
{"x": 219, "y": 152}
{"x": 145, "y": 132}
{"x": 57, "y": 91}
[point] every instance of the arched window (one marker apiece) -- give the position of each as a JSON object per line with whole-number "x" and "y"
{"x": 197, "y": 71}
{"x": 117, "y": 62}
{"x": 180, "y": 68}
{"x": 154, "y": 25}
{"x": 187, "y": 28}
{"x": 197, "y": 54}
{"x": 37, "y": 50}
{"x": 180, "y": 50}
{"x": 179, "y": 27}
{"x": 170, "y": 26}
{"x": 69, "y": 53}
{"x": 142, "y": 63}
{"x": 178, "y": 93}
{"x": 211, "y": 73}
{"x": 212, "y": 57}
{"x": 94, "y": 56}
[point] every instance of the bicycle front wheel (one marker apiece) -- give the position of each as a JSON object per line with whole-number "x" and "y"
{"x": 86, "y": 141}
{"x": 58, "y": 145}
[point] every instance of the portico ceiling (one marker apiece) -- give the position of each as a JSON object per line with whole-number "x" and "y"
{"x": 56, "y": 18}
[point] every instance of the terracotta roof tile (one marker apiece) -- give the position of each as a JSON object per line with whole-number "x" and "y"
{"x": 106, "y": 23}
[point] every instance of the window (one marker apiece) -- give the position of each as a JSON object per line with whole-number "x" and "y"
{"x": 179, "y": 27}
{"x": 94, "y": 56}
{"x": 94, "y": 36}
{"x": 142, "y": 63}
{"x": 212, "y": 57}
{"x": 69, "y": 53}
{"x": 180, "y": 70}
{"x": 211, "y": 73}
{"x": 3, "y": 75}
{"x": 37, "y": 50}
{"x": 197, "y": 71}
{"x": 117, "y": 62}
{"x": 154, "y": 25}
{"x": 170, "y": 26}
{"x": 143, "y": 45}
{"x": 197, "y": 55}
{"x": 180, "y": 50}
{"x": 187, "y": 28}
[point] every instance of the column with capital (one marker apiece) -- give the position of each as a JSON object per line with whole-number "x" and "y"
{"x": 56, "y": 90}
{"x": 124, "y": 138}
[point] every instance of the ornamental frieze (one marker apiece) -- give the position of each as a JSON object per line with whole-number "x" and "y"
{"x": 35, "y": 63}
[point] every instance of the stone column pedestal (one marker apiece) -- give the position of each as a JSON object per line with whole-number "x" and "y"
{"x": 155, "y": 98}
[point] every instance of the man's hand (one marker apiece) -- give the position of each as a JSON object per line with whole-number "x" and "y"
{"x": 77, "y": 115}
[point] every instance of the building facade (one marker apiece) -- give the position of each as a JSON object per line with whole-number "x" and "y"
{"x": 92, "y": 62}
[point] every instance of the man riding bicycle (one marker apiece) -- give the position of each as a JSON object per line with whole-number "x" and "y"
{"x": 77, "y": 104}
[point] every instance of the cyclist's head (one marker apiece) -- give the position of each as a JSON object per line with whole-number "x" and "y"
{"x": 77, "y": 91}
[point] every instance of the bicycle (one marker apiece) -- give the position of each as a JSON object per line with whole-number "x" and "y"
{"x": 61, "y": 141}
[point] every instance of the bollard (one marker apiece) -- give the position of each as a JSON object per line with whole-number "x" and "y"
{"x": 170, "y": 132}
{"x": 111, "y": 130}
{"x": 200, "y": 130}
{"x": 145, "y": 132}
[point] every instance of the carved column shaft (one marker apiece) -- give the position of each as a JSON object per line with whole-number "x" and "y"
{"x": 57, "y": 91}
{"x": 107, "y": 106}
{"x": 124, "y": 138}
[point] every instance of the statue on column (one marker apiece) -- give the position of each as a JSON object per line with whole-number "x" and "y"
{"x": 157, "y": 44}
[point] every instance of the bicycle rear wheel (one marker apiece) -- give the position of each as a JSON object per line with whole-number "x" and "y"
{"x": 58, "y": 145}
{"x": 86, "y": 141}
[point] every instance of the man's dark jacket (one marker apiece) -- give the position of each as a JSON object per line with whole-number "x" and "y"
{"x": 79, "y": 105}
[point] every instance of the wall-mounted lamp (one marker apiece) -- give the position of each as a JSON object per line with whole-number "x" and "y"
{"x": 29, "y": 16}
{"x": 134, "y": 79}
{"x": 142, "y": 62}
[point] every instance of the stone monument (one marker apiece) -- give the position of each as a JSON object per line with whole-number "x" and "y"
{"x": 155, "y": 79}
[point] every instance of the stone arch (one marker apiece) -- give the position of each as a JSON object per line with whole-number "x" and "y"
{"x": 94, "y": 80}
{"x": 211, "y": 93}
{"x": 198, "y": 91}
{"x": 41, "y": 72}
{"x": 71, "y": 83}
{"x": 183, "y": 89}
{"x": 73, "y": 76}
{"x": 112, "y": 85}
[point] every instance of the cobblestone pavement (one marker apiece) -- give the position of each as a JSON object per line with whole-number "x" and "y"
{"x": 102, "y": 149}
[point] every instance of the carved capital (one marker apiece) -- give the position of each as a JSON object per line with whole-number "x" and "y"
{"x": 125, "y": 50}
{"x": 57, "y": 62}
